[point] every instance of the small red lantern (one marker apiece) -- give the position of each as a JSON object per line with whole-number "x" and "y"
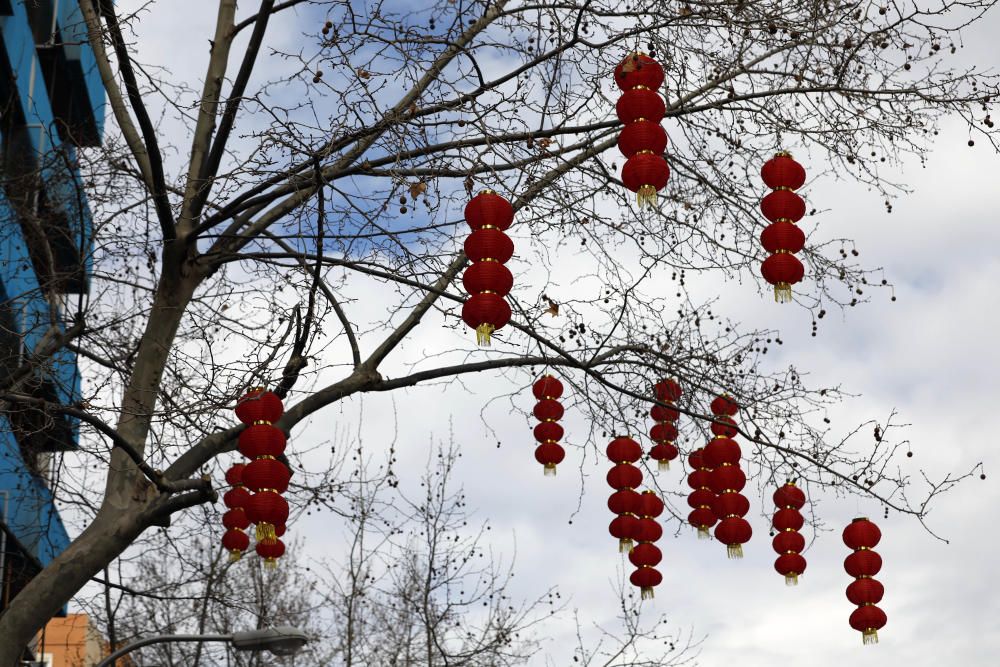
{"x": 624, "y": 477}
{"x": 271, "y": 552}
{"x": 664, "y": 431}
{"x": 789, "y": 543}
{"x": 645, "y": 556}
{"x": 642, "y": 141}
{"x": 782, "y": 238}
{"x": 487, "y": 281}
{"x": 235, "y": 520}
{"x": 267, "y": 509}
{"x": 236, "y": 542}
{"x": 701, "y": 498}
{"x": 722, "y": 456}
{"x": 548, "y": 433}
{"x": 261, "y": 439}
{"x": 862, "y": 536}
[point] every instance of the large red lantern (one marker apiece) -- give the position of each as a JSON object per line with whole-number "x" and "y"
{"x": 782, "y": 238}
{"x": 642, "y": 141}
{"x": 722, "y": 456}
{"x": 862, "y": 536}
{"x": 664, "y": 430}
{"x": 788, "y": 543}
{"x": 645, "y": 556}
{"x": 548, "y": 433}
{"x": 487, "y": 280}
{"x": 701, "y": 497}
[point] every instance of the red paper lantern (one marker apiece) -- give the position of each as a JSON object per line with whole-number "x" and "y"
{"x": 664, "y": 431}
{"x": 236, "y": 497}
{"x": 727, "y": 479}
{"x": 782, "y": 235}
{"x": 782, "y": 270}
{"x": 488, "y": 209}
{"x": 668, "y": 391}
{"x": 487, "y": 280}
{"x": 261, "y": 439}
{"x": 724, "y": 405}
{"x": 485, "y": 312}
{"x": 783, "y": 205}
{"x": 547, "y": 386}
{"x": 782, "y": 171}
{"x": 267, "y": 509}
{"x": 664, "y": 413}
{"x": 868, "y": 620}
{"x": 259, "y": 405}
{"x": 646, "y": 578}
{"x": 271, "y": 552}
{"x": 645, "y": 174}
{"x": 234, "y": 476}
{"x": 734, "y": 532}
{"x": 488, "y": 244}
{"x": 789, "y": 543}
{"x": 265, "y": 473}
{"x": 701, "y": 498}
{"x": 862, "y": 535}
{"x": 645, "y": 555}
{"x": 638, "y": 69}
{"x": 548, "y": 410}
{"x": 640, "y": 104}
{"x": 642, "y": 135}
{"x": 650, "y": 504}
{"x": 624, "y": 528}
{"x": 235, "y": 542}
{"x": 625, "y": 501}
{"x": 624, "y": 476}
{"x": 488, "y": 277}
{"x": 730, "y": 504}
{"x": 624, "y": 450}
{"x": 722, "y": 456}
{"x": 724, "y": 427}
{"x": 235, "y": 519}
{"x": 721, "y": 450}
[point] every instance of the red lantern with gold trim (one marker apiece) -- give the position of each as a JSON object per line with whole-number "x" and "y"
{"x": 701, "y": 497}
{"x": 722, "y": 456}
{"x": 624, "y": 477}
{"x": 789, "y": 543}
{"x": 664, "y": 430}
{"x": 487, "y": 281}
{"x": 271, "y": 552}
{"x": 548, "y": 389}
{"x": 645, "y": 555}
{"x": 862, "y": 536}
{"x": 234, "y": 540}
{"x": 259, "y": 405}
{"x": 783, "y": 207}
{"x": 642, "y": 141}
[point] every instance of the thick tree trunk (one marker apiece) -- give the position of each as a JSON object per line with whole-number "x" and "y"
{"x": 122, "y": 517}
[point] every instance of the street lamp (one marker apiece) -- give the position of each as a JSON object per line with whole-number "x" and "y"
{"x": 282, "y": 640}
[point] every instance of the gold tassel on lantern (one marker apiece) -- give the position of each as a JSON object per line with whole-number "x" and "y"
{"x": 265, "y": 533}
{"x": 703, "y": 533}
{"x": 783, "y": 293}
{"x": 663, "y": 465}
{"x": 625, "y": 545}
{"x": 734, "y": 550}
{"x": 791, "y": 579}
{"x": 646, "y": 196}
{"x": 646, "y": 593}
{"x": 271, "y": 563}
{"x": 235, "y": 555}
{"x": 869, "y": 636}
{"x": 550, "y": 470}
{"x": 483, "y": 332}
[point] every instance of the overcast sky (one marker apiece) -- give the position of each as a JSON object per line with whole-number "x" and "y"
{"x": 928, "y": 355}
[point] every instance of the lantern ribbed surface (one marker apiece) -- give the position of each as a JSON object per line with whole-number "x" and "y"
{"x": 788, "y": 543}
{"x": 863, "y": 564}
{"x": 664, "y": 430}
{"x": 548, "y": 410}
{"x": 782, "y": 238}
{"x": 642, "y": 140}
{"x": 487, "y": 281}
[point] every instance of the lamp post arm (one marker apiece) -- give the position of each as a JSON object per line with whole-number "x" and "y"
{"x": 161, "y": 639}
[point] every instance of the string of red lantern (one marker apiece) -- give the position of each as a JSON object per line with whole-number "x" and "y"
{"x": 664, "y": 430}
{"x": 624, "y": 478}
{"x": 487, "y": 280}
{"x": 722, "y": 456}
{"x": 235, "y": 520}
{"x": 642, "y": 140}
{"x": 788, "y": 543}
{"x": 645, "y": 555}
{"x": 862, "y": 535}
{"x": 701, "y": 497}
{"x": 782, "y": 238}
{"x": 263, "y": 443}
{"x": 548, "y": 432}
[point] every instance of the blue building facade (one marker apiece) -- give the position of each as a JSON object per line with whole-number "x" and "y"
{"x": 51, "y": 104}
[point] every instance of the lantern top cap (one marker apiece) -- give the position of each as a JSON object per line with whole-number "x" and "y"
{"x": 257, "y": 388}
{"x": 792, "y": 483}
{"x": 860, "y": 518}
{"x": 782, "y": 154}
{"x": 487, "y": 191}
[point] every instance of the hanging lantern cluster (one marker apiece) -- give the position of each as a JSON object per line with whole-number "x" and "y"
{"x": 262, "y": 442}
{"x": 487, "y": 280}
{"x": 788, "y": 543}
{"x": 862, "y": 535}
{"x": 782, "y": 238}
{"x": 722, "y": 456}
{"x": 701, "y": 497}
{"x": 624, "y": 478}
{"x": 664, "y": 430}
{"x": 548, "y": 432}
{"x": 645, "y": 555}
{"x": 643, "y": 140}
{"x": 235, "y": 520}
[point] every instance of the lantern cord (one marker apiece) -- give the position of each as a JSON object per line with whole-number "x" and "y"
{"x": 235, "y": 555}
{"x": 869, "y": 636}
{"x": 783, "y": 293}
{"x": 646, "y": 196}
{"x": 483, "y": 332}
{"x": 646, "y": 593}
{"x": 550, "y": 470}
{"x": 792, "y": 579}
{"x": 662, "y": 465}
{"x": 734, "y": 551}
